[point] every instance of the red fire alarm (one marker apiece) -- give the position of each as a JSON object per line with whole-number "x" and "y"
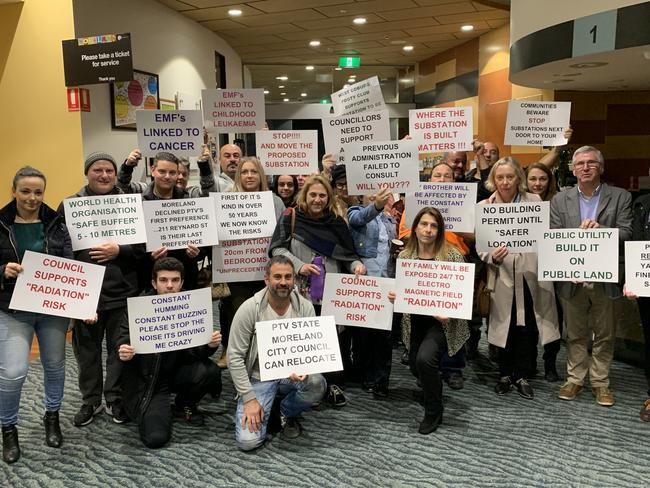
{"x": 73, "y": 100}
{"x": 84, "y": 98}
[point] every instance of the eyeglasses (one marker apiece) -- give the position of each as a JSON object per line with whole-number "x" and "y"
{"x": 583, "y": 164}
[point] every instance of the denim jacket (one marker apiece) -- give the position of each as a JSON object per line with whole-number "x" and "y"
{"x": 364, "y": 225}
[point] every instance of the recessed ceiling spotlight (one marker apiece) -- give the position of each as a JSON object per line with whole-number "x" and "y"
{"x": 338, "y": 68}
{"x": 408, "y": 48}
{"x": 280, "y": 86}
{"x": 309, "y": 68}
{"x": 283, "y": 93}
{"x": 353, "y": 76}
{"x": 467, "y": 28}
{"x": 314, "y": 43}
{"x": 235, "y": 12}
{"x": 285, "y": 99}
{"x": 282, "y": 78}
{"x": 398, "y": 42}
{"x": 303, "y": 94}
{"x": 266, "y": 92}
{"x": 359, "y": 20}
{"x": 346, "y": 85}
{"x": 351, "y": 80}
{"x": 595, "y": 64}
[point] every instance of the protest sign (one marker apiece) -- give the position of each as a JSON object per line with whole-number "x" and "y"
{"x": 240, "y": 260}
{"x": 162, "y": 323}
{"x": 302, "y": 346}
{"x": 353, "y": 129}
{"x": 438, "y": 288}
{"x": 442, "y": 129}
{"x": 360, "y": 97}
{"x": 97, "y": 59}
{"x": 288, "y": 152}
{"x": 175, "y": 224}
{"x": 374, "y": 166}
{"x": 360, "y": 301}
{"x": 578, "y": 255}
{"x": 176, "y": 131}
{"x": 233, "y": 110}
{"x": 244, "y": 215}
{"x": 454, "y": 201}
{"x": 637, "y": 268}
{"x": 517, "y": 226}
{"x": 57, "y": 286}
{"x": 95, "y": 220}
{"x": 537, "y": 123}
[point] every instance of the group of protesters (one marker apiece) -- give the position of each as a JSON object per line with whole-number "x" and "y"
{"x": 321, "y": 229}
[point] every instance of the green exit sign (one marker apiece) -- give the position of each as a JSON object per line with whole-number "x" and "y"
{"x": 350, "y": 62}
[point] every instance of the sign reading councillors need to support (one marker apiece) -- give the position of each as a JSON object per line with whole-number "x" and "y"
{"x": 517, "y": 226}
{"x": 175, "y": 131}
{"x": 301, "y": 346}
{"x": 455, "y": 201}
{"x": 244, "y": 215}
{"x": 442, "y": 129}
{"x": 104, "y": 218}
{"x": 240, "y": 110}
{"x": 387, "y": 164}
{"x": 578, "y": 255}
{"x": 537, "y": 123}
{"x": 354, "y": 129}
{"x": 360, "y": 97}
{"x": 161, "y": 323}
{"x": 288, "y": 152}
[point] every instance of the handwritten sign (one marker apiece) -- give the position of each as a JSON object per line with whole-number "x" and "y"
{"x": 454, "y": 201}
{"x": 240, "y": 110}
{"x": 354, "y": 129}
{"x": 57, "y": 286}
{"x": 578, "y": 255}
{"x": 360, "y": 97}
{"x": 537, "y": 123}
{"x": 301, "y": 346}
{"x": 442, "y": 129}
{"x": 95, "y": 220}
{"x": 517, "y": 226}
{"x": 179, "y": 132}
{"x": 637, "y": 268}
{"x": 288, "y": 152}
{"x": 244, "y": 215}
{"x": 437, "y": 288}
{"x": 161, "y": 323}
{"x": 359, "y": 301}
{"x": 240, "y": 260}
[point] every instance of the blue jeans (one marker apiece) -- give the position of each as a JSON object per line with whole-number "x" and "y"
{"x": 16, "y": 334}
{"x": 299, "y": 396}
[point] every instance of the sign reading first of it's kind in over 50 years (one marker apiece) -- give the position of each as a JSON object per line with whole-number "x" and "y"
{"x": 97, "y": 59}
{"x": 233, "y": 110}
{"x": 244, "y": 215}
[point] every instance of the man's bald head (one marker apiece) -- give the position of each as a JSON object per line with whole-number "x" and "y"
{"x": 229, "y": 156}
{"x": 457, "y": 160}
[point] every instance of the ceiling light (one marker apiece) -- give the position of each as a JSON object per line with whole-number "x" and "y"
{"x": 285, "y": 99}
{"x": 314, "y": 43}
{"x": 282, "y": 78}
{"x": 337, "y": 69}
{"x": 353, "y": 76}
{"x": 359, "y": 20}
{"x": 283, "y": 93}
{"x": 309, "y": 68}
{"x": 351, "y": 80}
{"x": 398, "y": 42}
{"x": 280, "y": 86}
{"x": 235, "y": 12}
{"x": 266, "y": 92}
{"x": 408, "y": 48}
{"x": 303, "y": 94}
{"x": 467, "y": 28}
{"x": 346, "y": 85}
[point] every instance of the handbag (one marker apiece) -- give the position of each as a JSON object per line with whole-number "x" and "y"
{"x": 204, "y": 280}
{"x": 483, "y": 298}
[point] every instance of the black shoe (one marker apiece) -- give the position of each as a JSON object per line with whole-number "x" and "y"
{"x": 550, "y": 372}
{"x": 86, "y": 414}
{"x": 493, "y": 353}
{"x": 116, "y": 410}
{"x": 274, "y": 424}
{"x": 291, "y": 428}
{"x": 405, "y": 357}
{"x": 367, "y": 387}
{"x": 503, "y": 386}
{"x": 53, "y": 436}
{"x": 524, "y": 389}
{"x": 380, "y": 391}
{"x": 335, "y": 397}
{"x": 10, "y": 447}
{"x": 429, "y": 424}
{"x": 190, "y": 413}
{"x": 456, "y": 381}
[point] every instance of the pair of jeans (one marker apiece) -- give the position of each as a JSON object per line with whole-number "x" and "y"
{"x": 16, "y": 333}
{"x": 298, "y": 397}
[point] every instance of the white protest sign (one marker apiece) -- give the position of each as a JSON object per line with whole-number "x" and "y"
{"x": 578, "y": 255}
{"x": 537, "y": 123}
{"x": 442, "y": 129}
{"x": 517, "y": 226}
{"x": 360, "y": 301}
{"x": 104, "y": 218}
{"x": 244, "y": 215}
{"x": 288, "y": 152}
{"x": 176, "y": 131}
{"x": 233, "y": 110}
{"x": 454, "y": 201}
{"x": 360, "y": 97}
{"x": 176, "y": 223}
{"x": 302, "y": 346}
{"x": 240, "y": 260}
{"x": 162, "y": 323}
{"x": 354, "y": 129}
{"x": 374, "y": 166}
{"x": 637, "y": 268}
{"x": 57, "y": 286}
{"x": 439, "y": 288}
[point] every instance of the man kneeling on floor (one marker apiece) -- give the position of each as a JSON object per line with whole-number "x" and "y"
{"x": 148, "y": 380}
{"x": 277, "y": 301}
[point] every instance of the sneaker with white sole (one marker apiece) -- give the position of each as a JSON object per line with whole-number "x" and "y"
{"x": 86, "y": 414}
{"x": 116, "y": 410}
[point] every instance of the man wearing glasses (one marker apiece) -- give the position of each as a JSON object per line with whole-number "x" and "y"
{"x": 589, "y": 307}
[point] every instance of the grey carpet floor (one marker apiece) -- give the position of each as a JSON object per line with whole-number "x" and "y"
{"x": 485, "y": 441}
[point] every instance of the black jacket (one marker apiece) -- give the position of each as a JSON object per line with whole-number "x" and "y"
{"x": 56, "y": 243}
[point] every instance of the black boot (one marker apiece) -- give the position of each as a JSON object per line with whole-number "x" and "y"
{"x": 550, "y": 372}
{"x": 10, "y": 447}
{"x": 53, "y": 436}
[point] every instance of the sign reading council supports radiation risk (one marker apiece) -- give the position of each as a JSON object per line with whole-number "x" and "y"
{"x": 104, "y": 218}
{"x": 97, "y": 59}
{"x": 57, "y": 286}
{"x": 161, "y": 323}
{"x": 360, "y": 301}
{"x": 240, "y": 260}
{"x": 438, "y": 288}
{"x": 175, "y": 131}
{"x": 455, "y": 201}
{"x": 288, "y": 152}
{"x": 517, "y": 226}
{"x": 244, "y": 215}
{"x": 176, "y": 223}
{"x": 354, "y": 129}
{"x": 442, "y": 129}
{"x": 578, "y": 255}
{"x": 226, "y": 111}
{"x": 537, "y": 123}
{"x": 384, "y": 164}
{"x": 360, "y": 97}
{"x": 637, "y": 268}
{"x": 302, "y": 346}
